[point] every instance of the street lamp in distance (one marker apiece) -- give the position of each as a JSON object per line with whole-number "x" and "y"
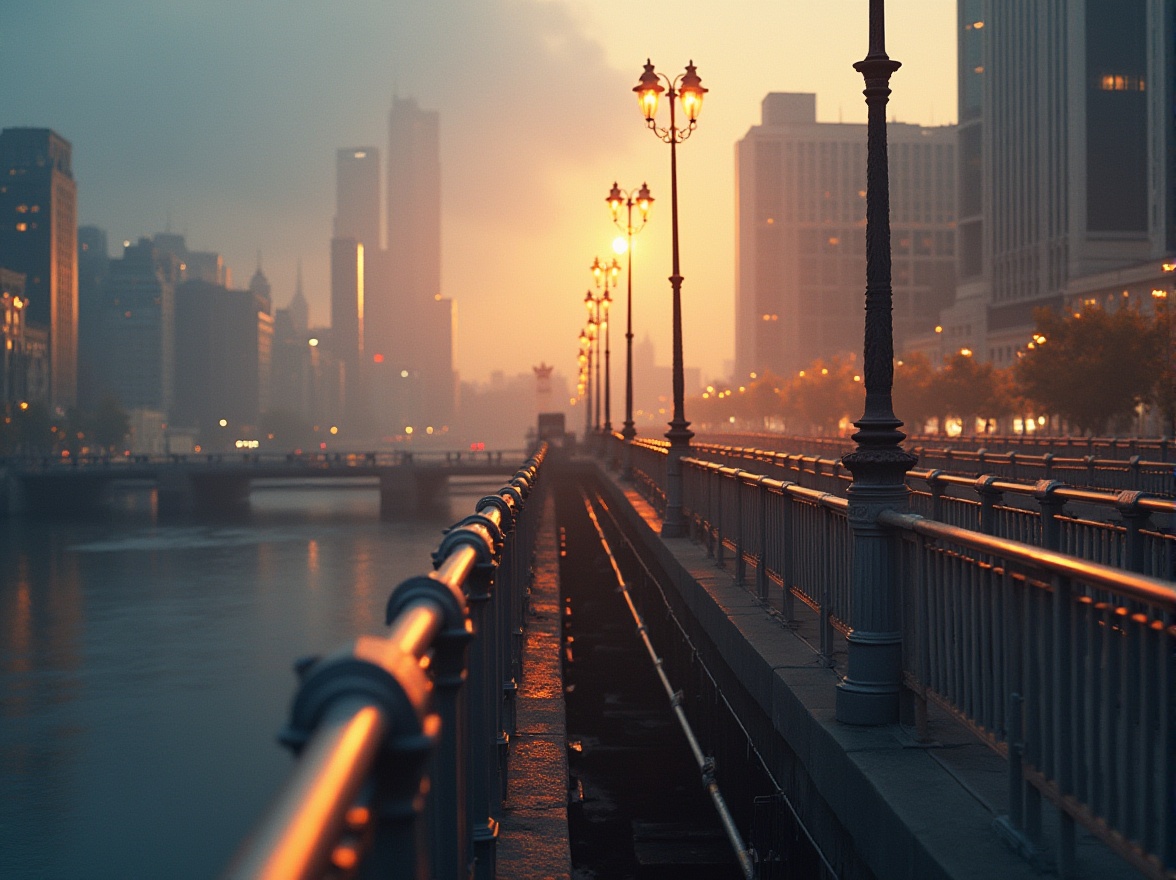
{"x": 687, "y": 89}
{"x": 618, "y": 198}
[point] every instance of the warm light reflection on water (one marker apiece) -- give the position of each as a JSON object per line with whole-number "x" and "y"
{"x": 145, "y": 668}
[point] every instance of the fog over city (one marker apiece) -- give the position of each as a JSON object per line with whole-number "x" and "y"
{"x": 220, "y": 122}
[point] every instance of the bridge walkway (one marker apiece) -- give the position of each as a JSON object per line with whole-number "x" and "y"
{"x": 880, "y": 802}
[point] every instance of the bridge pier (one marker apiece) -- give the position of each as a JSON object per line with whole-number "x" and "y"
{"x": 182, "y": 492}
{"x": 408, "y": 491}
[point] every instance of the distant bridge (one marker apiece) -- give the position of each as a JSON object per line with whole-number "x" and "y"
{"x": 408, "y": 480}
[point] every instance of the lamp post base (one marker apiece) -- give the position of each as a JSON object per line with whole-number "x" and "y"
{"x": 674, "y": 522}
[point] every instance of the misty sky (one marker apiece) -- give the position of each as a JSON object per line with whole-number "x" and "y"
{"x": 223, "y": 117}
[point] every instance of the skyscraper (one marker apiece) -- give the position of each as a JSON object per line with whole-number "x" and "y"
{"x": 135, "y": 353}
{"x": 410, "y": 326}
{"x": 38, "y": 238}
{"x": 1067, "y": 154}
{"x": 414, "y": 198}
{"x": 357, "y": 196}
{"x": 347, "y": 322}
{"x": 801, "y": 268}
{"x": 93, "y": 269}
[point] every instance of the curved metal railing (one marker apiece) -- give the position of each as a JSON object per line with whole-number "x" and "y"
{"x": 372, "y": 720}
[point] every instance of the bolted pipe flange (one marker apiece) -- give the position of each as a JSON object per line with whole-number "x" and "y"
{"x": 370, "y": 669}
{"x": 481, "y": 581}
{"x": 450, "y": 600}
{"x": 504, "y": 508}
{"x": 497, "y": 534}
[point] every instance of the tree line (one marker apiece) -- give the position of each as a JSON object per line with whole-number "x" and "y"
{"x": 1090, "y": 369}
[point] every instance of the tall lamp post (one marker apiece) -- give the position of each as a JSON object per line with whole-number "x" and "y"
{"x": 606, "y": 275}
{"x": 687, "y": 88}
{"x": 869, "y": 694}
{"x": 616, "y": 198}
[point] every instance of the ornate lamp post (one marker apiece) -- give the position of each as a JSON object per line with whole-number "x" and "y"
{"x": 687, "y": 88}
{"x": 606, "y": 275}
{"x": 644, "y": 201}
{"x": 869, "y": 694}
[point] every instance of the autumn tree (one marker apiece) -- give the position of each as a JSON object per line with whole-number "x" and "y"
{"x": 913, "y": 392}
{"x": 968, "y": 389}
{"x": 1091, "y": 367}
{"x": 824, "y": 394}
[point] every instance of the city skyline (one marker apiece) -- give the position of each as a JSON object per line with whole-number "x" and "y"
{"x": 238, "y": 153}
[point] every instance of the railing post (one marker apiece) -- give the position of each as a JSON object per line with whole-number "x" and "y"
{"x": 989, "y": 498}
{"x": 1045, "y": 493}
{"x": 740, "y": 545}
{"x": 484, "y": 693}
{"x": 787, "y": 518}
{"x": 448, "y": 828}
{"x": 761, "y": 568}
{"x": 935, "y": 485}
{"x": 1135, "y": 520}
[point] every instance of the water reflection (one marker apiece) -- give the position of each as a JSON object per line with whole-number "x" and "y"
{"x": 145, "y": 667}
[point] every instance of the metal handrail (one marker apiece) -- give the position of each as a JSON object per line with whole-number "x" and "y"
{"x": 1064, "y": 665}
{"x": 365, "y": 719}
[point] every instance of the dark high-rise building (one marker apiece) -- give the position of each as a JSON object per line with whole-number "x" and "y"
{"x": 357, "y": 196}
{"x": 347, "y": 321}
{"x": 93, "y": 270}
{"x": 134, "y": 353}
{"x": 1067, "y": 155}
{"x": 410, "y": 328}
{"x": 38, "y": 238}
{"x": 220, "y": 357}
{"x": 414, "y": 199}
{"x": 801, "y": 265}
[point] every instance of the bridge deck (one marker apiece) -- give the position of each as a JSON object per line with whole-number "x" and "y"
{"x": 879, "y": 801}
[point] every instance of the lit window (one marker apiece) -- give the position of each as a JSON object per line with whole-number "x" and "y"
{"x": 1119, "y": 82}
{"x": 22, "y": 227}
{"x": 979, "y": 68}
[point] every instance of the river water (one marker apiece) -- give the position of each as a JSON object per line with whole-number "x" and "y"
{"x": 146, "y": 667}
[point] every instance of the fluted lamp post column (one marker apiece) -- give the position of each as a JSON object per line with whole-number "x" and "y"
{"x": 687, "y": 88}
{"x": 606, "y": 276}
{"x": 644, "y": 201}
{"x": 869, "y": 694}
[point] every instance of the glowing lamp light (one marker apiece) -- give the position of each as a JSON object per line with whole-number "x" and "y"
{"x": 224, "y": 423}
{"x": 615, "y": 199}
{"x": 408, "y": 429}
{"x": 377, "y": 358}
{"x": 334, "y": 429}
{"x": 404, "y": 374}
{"x": 620, "y": 245}
{"x": 691, "y": 92}
{"x": 644, "y": 200}
{"x": 648, "y": 91}
{"x": 313, "y": 343}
